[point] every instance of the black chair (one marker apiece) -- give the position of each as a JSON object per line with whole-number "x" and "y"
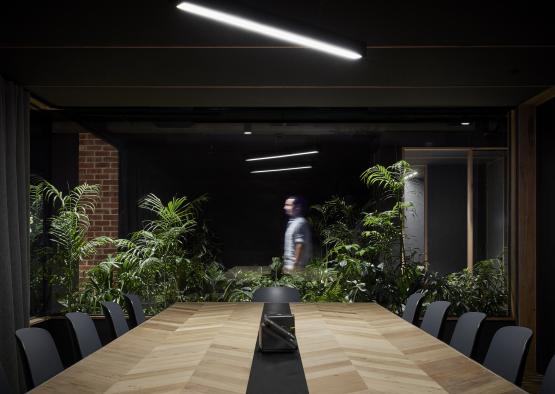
{"x": 548, "y": 385}
{"x": 4, "y": 385}
{"x": 84, "y": 332}
{"x": 134, "y": 308}
{"x": 413, "y": 307}
{"x": 434, "y": 318}
{"x": 507, "y": 353}
{"x": 116, "y": 319}
{"x": 466, "y": 332}
{"x": 276, "y": 295}
{"x": 39, "y": 354}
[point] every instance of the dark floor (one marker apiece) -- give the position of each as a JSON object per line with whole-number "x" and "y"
{"x": 532, "y": 382}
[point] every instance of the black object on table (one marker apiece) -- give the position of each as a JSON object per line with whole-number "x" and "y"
{"x": 276, "y": 333}
{"x": 276, "y": 372}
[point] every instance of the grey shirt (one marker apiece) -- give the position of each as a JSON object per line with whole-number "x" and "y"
{"x": 298, "y": 231}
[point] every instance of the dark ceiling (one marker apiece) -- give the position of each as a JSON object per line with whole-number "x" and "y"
{"x": 149, "y": 54}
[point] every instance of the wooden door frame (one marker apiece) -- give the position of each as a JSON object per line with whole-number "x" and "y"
{"x": 523, "y": 139}
{"x": 469, "y": 153}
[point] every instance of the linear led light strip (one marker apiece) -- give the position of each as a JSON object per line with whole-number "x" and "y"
{"x": 282, "y": 169}
{"x": 312, "y": 152}
{"x": 267, "y": 30}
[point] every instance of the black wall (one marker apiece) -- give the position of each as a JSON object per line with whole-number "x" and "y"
{"x": 447, "y": 195}
{"x": 245, "y": 210}
{"x": 54, "y": 156}
{"x": 545, "y": 233}
{"x": 490, "y": 216}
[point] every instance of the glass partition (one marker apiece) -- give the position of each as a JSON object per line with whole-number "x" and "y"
{"x": 458, "y": 206}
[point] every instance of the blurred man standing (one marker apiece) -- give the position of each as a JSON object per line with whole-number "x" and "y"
{"x": 297, "y": 245}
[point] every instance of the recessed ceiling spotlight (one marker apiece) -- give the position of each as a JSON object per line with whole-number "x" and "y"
{"x": 312, "y": 152}
{"x": 465, "y": 123}
{"x": 282, "y": 169}
{"x": 267, "y": 30}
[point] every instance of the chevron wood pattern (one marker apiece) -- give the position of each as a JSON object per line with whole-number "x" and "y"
{"x": 364, "y": 348}
{"x": 208, "y": 348}
{"x": 189, "y": 347}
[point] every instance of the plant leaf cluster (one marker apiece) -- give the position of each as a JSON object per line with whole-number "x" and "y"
{"x": 173, "y": 257}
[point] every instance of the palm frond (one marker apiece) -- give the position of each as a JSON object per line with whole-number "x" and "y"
{"x": 52, "y": 194}
{"x": 378, "y": 175}
{"x": 390, "y": 180}
{"x": 152, "y": 203}
{"x": 177, "y": 217}
{"x": 83, "y": 198}
{"x": 89, "y": 247}
{"x": 124, "y": 244}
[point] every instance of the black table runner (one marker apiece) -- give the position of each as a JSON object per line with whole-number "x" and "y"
{"x": 276, "y": 373}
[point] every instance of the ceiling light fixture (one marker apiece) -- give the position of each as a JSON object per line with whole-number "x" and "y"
{"x": 282, "y": 169}
{"x": 267, "y": 30}
{"x": 247, "y": 132}
{"x": 312, "y": 152}
{"x": 465, "y": 123}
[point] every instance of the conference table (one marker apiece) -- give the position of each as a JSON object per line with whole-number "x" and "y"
{"x": 209, "y": 347}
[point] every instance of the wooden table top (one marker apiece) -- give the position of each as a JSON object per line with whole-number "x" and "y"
{"x": 208, "y": 348}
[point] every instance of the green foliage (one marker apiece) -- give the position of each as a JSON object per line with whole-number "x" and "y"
{"x": 483, "y": 289}
{"x": 166, "y": 261}
{"x": 68, "y": 244}
{"x": 335, "y": 222}
{"x": 381, "y": 233}
{"x": 161, "y": 245}
{"x": 386, "y": 229}
{"x": 40, "y": 271}
{"x": 101, "y": 286}
{"x": 366, "y": 258}
{"x": 394, "y": 284}
{"x": 391, "y": 180}
{"x": 172, "y": 258}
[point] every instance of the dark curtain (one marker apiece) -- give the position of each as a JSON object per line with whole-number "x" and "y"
{"x": 14, "y": 223}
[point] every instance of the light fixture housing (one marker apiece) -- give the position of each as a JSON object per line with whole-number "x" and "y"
{"x": 217, "y": 12}
{"x": 312, "y": 152}
{"x": 282, "y": 169}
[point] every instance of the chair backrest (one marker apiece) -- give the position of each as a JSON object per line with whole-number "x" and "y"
{"x": 116, "y": 319}
{"x": 507, "y": 352}
{"x": 39, "y": 354}
{"x": 466, "y": 332}
{"x": 434, "y": 318}
{"x": 413, "y": 307}
{"x": 276, "y": 294}
{"x": 134, "y": 308}
{"x": 548, "y": 385}
{"x": 5, "y": 387}
{"x": 84, "y": 332}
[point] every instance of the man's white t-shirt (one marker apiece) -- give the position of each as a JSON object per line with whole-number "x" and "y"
{"x": 298, "y": 231}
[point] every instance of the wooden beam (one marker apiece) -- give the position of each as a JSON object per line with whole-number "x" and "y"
{"x": 541, "y": 98}
{"x": 426, "y": 211}
{"x": 469, "y": 210}
{"x": 523, "y": 213}
{"x": 513, "y": 218}
{"x": 39, "y": 105}
{"x": 526, "y": 230}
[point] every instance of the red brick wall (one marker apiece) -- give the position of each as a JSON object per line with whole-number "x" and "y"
{"x": 99, "y": 164}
